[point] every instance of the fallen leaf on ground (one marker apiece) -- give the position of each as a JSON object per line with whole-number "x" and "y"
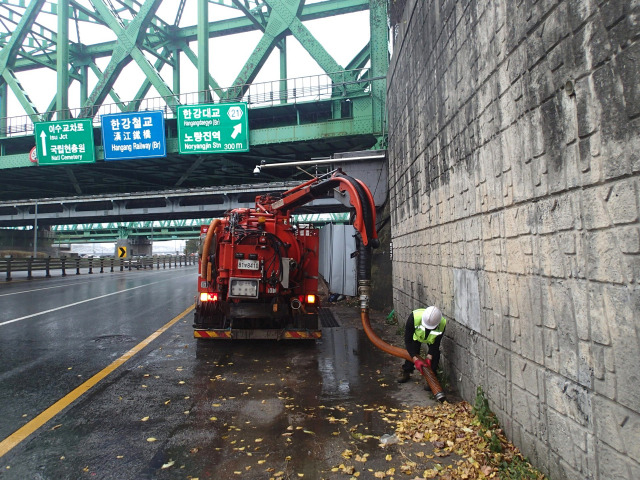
{"x": 452, "y": 428}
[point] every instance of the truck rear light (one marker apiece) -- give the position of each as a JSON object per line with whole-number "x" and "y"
{"x": 309, "y": 299}
{"x": 208, "y": 297}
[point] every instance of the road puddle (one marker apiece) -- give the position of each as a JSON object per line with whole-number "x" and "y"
{"x": 293, "y": 410}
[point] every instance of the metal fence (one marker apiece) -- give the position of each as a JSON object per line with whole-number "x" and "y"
{"x": 76, "y": 265}
{"x": 278, "y": 92}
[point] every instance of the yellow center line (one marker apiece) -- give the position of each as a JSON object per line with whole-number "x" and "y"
{"x": 22, "y": 433}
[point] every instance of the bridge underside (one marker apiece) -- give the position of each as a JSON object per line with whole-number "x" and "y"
{"x": 185, "y": 203}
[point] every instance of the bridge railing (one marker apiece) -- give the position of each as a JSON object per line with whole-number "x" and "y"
{"x": 277, "y": 92}
{"x": 76, "y": 265}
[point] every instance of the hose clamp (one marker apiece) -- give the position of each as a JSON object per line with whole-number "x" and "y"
{"x": 364, "y": 289}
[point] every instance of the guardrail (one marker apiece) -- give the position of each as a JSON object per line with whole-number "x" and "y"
{"x": 74, "y": 265}
{"x": 338, "y": 85}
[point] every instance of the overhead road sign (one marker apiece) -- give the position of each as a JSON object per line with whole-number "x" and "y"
{"x": 127, "y": 136}
{"x": 213, "y": 128}
{"x": 64, "y": 142}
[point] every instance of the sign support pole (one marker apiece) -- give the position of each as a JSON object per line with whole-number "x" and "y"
{"x": 35, "y": 231}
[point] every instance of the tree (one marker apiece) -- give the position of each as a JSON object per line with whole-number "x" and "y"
{"x": 191, "y": 246}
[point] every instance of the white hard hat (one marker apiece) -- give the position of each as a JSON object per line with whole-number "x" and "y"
{"x": 431, "y": 317}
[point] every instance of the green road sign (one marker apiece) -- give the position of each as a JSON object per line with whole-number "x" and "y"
{"x": 213, "y": 128}
{"x": 65, "y": 141}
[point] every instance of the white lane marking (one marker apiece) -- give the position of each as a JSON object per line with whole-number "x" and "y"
{"x": 41, "y": 419}
{"x": 95, "y": 279}
{"x": 38, "y": 289}
{"x": 84, "y": 301}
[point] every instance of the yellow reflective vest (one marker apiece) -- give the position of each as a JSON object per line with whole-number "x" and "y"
{"x": 421, "y": 332}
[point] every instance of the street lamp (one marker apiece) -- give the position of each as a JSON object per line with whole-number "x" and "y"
{"x": 319, "y": 161}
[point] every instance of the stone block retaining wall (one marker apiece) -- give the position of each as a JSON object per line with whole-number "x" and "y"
{"x": 514, "y": 186}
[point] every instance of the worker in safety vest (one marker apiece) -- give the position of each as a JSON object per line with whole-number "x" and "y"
{"x": 424, "y": 325}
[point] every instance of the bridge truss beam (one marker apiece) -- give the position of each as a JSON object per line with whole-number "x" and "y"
{"x": 29, "y": 44}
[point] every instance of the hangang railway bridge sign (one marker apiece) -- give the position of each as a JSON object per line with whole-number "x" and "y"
{"x": 133, "y": 135}
{"x": 213, "y": 128}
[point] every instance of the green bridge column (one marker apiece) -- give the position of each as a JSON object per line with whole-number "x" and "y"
{"x": 379, "y": 66}
{"x": 3, "y": 112}
{"x": 62, "y": 61}
{"x": 203, "y": 51}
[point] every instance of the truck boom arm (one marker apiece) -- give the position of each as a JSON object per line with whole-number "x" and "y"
{"x": 359, "y": 197}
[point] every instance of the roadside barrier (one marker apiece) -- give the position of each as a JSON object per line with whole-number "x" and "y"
{"x": 30, "y": 264}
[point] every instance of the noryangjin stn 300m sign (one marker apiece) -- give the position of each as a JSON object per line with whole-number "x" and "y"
{"x": 213, "y": 128}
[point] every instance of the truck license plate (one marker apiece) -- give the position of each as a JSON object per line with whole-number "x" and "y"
{"x": 248, "y": 265}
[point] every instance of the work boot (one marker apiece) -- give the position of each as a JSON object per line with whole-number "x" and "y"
{"x": 404, "y": 377}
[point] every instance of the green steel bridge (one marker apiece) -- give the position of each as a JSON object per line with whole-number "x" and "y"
{"x": 313, "y": 75}
{"x": 161, "y": 230}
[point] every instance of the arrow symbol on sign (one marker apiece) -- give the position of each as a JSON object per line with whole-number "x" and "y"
{"x": 43, "y": 136}
{"x": 122, "y": 252}
{"x": 236, "y": 130}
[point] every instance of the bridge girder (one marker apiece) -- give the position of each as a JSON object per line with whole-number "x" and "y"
{"x": 186, "y": 204}
{"x": 162, "y": 230}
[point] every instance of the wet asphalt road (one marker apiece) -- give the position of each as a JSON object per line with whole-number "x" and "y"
{"x": 180, "y": 408}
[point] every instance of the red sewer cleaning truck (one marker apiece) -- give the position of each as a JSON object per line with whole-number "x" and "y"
{"x": 258, "y": 272}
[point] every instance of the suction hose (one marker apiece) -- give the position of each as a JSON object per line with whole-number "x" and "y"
{"x": 364, "y": 291}
{"x": 205, "y": 269}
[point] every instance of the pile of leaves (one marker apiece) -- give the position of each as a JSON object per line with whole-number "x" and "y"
{"x": 456, "y": 430}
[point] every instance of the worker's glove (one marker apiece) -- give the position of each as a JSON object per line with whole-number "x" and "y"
{"x": 428, "y": 362}
{"x": 420, "y": 364}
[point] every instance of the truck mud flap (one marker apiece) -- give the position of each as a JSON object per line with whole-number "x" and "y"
{"x": 212, "y": 334}
{"x": 262, "y": 334}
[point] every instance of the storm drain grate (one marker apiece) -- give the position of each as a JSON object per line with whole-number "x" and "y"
{"x": 327, "y": 320}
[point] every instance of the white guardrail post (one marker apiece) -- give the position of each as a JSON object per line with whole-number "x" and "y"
{"x": 11, "y": 265}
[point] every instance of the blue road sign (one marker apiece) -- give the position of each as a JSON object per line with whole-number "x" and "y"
{"x": 127, "y": 136}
